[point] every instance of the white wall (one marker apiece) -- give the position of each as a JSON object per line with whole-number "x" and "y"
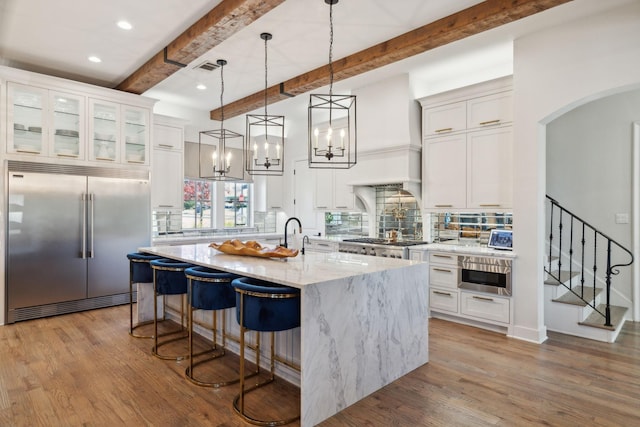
{"x": 589, "y": 171}
{"x": 555, "y": 71}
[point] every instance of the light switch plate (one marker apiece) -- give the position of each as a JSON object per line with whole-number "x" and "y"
{"x": 622, "y": 218}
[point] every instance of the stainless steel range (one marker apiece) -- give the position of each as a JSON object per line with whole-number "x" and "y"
{"x": 378, "y": 247}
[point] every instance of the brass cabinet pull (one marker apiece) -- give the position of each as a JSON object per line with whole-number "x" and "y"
{"x": 165, "y": 145}
{"x": 447, "y": 294}
{"x": 67, "y": 155}
{"x": 443, "y": 130}
{"x": 444, "y": 206}
{"x": 444, "y": 270}
{"x": 442, "y": 256}
{"x": 490, "y": 122}
{"x": 490, "y": 205}
{"x": 27, "y": 151}
{"x": 482, "y": 298}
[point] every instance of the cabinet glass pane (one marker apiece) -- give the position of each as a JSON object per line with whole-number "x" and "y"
{"x": 26, "y": 118}
{"x": 67, "y": 125}
{"x": 135, "y": 134}
{"x": 105, "y": 131}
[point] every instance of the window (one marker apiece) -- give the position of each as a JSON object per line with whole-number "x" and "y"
{"x": 197, "y": 212}
{"x": 237, "y": 206}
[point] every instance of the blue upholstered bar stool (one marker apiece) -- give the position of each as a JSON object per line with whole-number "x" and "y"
{"x": 139, "y": 272}
{"x": 265, "y": 307}
{"x": 169, "y": 279}
{"x": 209, "y": 290}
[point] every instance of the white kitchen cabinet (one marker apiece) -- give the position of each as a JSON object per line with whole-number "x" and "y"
{"x": 275, "y": 192}
{"x": 485, "y": 307}
{"x": 45, "y": 122}
{"x": 167, "y": 169}
{"x": 443, "y": 282}
{"x": 135, "y": 134}
{"x": 473, "y": 167}
{"x": 57, "y": 119}
{"x": 445, "y": 172}
{"x": 471, "y": 170}
{"x": 445, "y": 119}
{"x": 490, "y": 168}
{"x": 331, "y": 190}
{"x": 166, "y": 180}
{"x": 104, "y": 131}
{"x": 446, "y": 297}
{"x": 490, "y": 110}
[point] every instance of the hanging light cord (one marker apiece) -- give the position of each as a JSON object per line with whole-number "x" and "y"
{"x": 331, "y": 49}
{"x": 221, "y": 94}
{"x": 265, "y": 78}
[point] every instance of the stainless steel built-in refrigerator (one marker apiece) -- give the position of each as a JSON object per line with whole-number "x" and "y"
{"x": 69, "y": 230}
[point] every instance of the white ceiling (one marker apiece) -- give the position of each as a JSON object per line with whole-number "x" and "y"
{"x": 56, "y": 37}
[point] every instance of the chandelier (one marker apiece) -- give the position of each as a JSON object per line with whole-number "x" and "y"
{"x": 264, "y": 148}
{"x": 332, "y": 122}
{"x": 217, "y": 159}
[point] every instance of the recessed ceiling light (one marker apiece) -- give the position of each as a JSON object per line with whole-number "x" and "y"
{"x": 124, "y": 25}
{"x": 95, "y": 59}
{"x": 201, "y": 86}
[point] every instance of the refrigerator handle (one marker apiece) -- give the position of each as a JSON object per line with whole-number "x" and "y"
{"x": 83, "y": 236}
{"x": 91, "y": 216}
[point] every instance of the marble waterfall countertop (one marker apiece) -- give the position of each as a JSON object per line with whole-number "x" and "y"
{"x": 297, "y": 272}
{"x": 364, "y": 320}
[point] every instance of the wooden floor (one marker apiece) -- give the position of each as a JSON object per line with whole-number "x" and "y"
{"x": 84, "y": 369}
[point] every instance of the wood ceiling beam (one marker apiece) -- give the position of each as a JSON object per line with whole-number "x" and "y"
{"x": 474, "y": 20}
{"x": 220, "y": 23}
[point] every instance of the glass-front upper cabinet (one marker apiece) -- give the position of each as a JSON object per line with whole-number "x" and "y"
{"x": 27, "y": 128}
{"x": 104, "y": 131}
{"x": 67, "y": 125}
{"x": 135, "y": 134}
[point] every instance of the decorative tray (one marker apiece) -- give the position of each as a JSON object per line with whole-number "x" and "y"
{"x": 253, "y": 248}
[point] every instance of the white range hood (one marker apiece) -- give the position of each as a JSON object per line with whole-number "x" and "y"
{"x": 389, "y": 129}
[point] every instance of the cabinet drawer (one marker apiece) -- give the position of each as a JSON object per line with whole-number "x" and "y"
{"x": 486, "y": 307}
{"x": 445, "y": 119}
{"x": 444, "y": 300}
{"x": 443, "y": 258}
{"x": 444, "y": 275}
{"x": 491, "y": 110}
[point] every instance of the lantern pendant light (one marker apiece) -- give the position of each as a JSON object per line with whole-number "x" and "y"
{"x": 264, "y": 148}
{"x": 217, "y": 157}
{"x": 332, "y": 122}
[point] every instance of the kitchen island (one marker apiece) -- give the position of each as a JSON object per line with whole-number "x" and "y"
{"x": 364, "y": 320}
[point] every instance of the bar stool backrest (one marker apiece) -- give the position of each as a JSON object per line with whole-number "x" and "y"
{"x": 267, "y": 306}
{"x": 170, "y": 278}
{"x": 141, "y": 271}
{"x": 211, "y": 289}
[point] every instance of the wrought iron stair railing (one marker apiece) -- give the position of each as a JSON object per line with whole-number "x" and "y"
{"x": 594, "y": 250}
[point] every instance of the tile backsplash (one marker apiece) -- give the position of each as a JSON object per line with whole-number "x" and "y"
{"x": 467, "y": 225}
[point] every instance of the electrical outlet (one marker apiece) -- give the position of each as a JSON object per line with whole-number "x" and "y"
{"x": 622, "y": 218}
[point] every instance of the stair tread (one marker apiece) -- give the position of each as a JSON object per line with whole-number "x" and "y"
{"x": 596, "y": 320}
{"x": 563, "y": 275}
{"x": 571, "y": 298}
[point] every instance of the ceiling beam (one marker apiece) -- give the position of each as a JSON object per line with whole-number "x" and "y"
{"x": 474, "y": 20}
{"x": 220, "y": 23}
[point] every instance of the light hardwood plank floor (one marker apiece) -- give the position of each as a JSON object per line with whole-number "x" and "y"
{"x": 83, "y": 369}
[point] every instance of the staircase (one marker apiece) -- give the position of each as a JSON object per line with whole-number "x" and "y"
{"x": 581, "y": 263}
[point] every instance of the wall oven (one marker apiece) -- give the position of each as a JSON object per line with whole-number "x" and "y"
{"x": 485, "y": 274}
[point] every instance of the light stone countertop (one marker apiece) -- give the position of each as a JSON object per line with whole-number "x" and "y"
{"x": 297, "y": 272}
{"x": 179, "y": 239}
{"x": 465, "y": 250}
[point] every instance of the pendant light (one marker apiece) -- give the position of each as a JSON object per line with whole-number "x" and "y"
{"x": 218, "y": 159}
{"x": 332, "y": 122}
{"x": 264, "y": 148}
